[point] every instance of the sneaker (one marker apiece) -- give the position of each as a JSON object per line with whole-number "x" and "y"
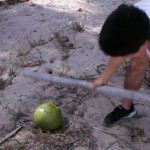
{"x": 118, "y": 114}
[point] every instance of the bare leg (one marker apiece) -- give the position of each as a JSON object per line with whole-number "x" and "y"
{"x": 134, "y": 78}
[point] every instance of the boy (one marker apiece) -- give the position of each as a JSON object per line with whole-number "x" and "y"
{"x": 126, "y": 33}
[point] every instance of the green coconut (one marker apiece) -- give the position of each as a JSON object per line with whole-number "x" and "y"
{"x": 48, "y": 116}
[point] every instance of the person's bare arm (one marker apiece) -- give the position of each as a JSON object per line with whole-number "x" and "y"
{"x": 113, "y": 64}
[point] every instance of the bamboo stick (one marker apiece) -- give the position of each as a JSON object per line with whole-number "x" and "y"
{"x": 107, "y": 90}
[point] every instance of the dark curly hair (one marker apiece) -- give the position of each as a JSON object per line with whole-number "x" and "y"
{"x": 124, "y": 31}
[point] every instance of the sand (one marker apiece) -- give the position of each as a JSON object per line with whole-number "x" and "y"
{"x": 61, "y": 35}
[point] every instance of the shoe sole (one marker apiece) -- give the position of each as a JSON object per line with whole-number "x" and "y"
{"x": 131, "y": 115}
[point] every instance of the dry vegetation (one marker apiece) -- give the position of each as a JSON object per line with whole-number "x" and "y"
{"x": 12, "y": 2}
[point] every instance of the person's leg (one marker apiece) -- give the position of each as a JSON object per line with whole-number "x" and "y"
{"x": 133, "y": 80}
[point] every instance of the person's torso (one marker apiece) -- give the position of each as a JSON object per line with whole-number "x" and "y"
{"x": 148, "y": 52}
{"x": 145, "y": 6}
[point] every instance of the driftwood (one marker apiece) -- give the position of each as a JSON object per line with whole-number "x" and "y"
{"x": 107, "y": 90}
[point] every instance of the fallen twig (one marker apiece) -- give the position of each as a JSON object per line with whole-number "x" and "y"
{"x": 115, "y": 136}
{"x": 10, "y": 135}
{"x": 111, "y": 145}
{"x": 141, "y": 146}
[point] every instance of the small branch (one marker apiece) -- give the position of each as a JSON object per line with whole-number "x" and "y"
{"x": 111, "y": 145}
{"x": 141, "y": 146}
{"x": 115, "y": 136}
{"x": 10, "y": 135}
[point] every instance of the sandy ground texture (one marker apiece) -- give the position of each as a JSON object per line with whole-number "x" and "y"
{"x": 63, "y": 35}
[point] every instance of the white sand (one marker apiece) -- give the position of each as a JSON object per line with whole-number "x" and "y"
{"x": 30, "y": 27}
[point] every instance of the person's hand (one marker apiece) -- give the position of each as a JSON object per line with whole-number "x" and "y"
{"x": 97, "y": 82}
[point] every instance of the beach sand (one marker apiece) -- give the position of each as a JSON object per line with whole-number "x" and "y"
{"x": 63, "y": 36}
